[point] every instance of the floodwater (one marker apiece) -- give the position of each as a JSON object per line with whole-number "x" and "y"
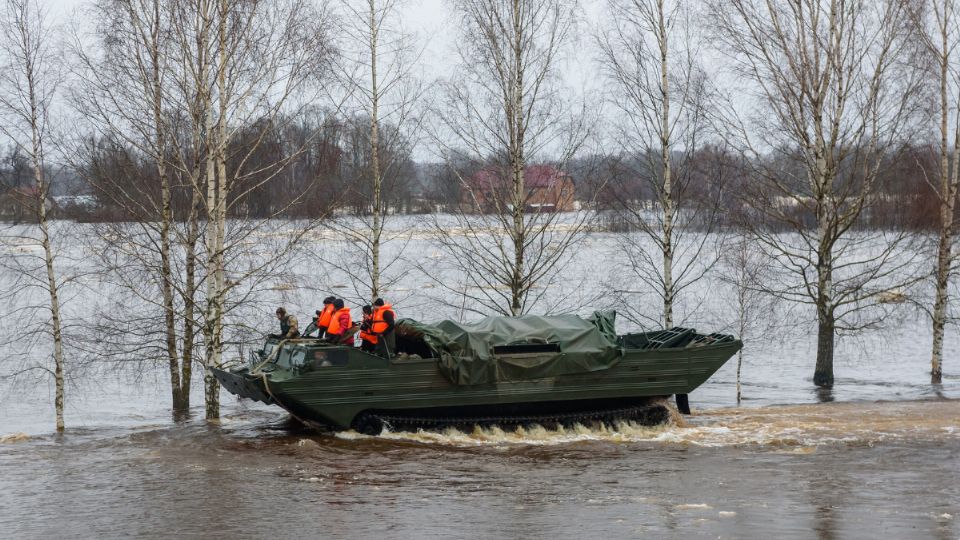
{"x": 878, "y": 457}
{"x": 830, "y": 470}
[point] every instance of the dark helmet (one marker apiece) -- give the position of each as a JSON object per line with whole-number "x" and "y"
{"x": 338, "y": 303}
{"x": 378, "y": 302}
{"x": 328, "y": 300}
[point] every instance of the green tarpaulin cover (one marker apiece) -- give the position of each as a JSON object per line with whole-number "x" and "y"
{"x": 467, "y": 356}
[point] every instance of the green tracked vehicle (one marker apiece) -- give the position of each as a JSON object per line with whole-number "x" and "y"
{"x": 500, "y": 370}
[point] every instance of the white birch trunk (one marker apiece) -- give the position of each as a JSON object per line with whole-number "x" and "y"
{"x": 666, "y": 193}
{"x": 949, "y": 183}
{"x": 377, "y": 229}
{"x": 56, "y": 322}
{"x": 517, "y": 162}
{"x": 29, "y": 56}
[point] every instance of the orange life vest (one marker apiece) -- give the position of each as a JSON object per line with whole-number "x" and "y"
{"x": 324, "y": 320}
{"x": 335, "y": 327}
{"x": 379, "y": 325}
{"x": 368, "y": 335}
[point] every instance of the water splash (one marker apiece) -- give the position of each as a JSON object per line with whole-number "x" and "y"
{"x": 14, "y": 438}
{"x": 798, "y": 429}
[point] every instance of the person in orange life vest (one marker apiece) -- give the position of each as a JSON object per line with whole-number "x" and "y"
{"x": 368, "y": 340}
{"x": 340, "y": 322}
{"x": 384, "y": 324}
{"x": 324, "y": 316}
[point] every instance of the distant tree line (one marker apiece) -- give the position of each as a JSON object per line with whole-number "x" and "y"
{"x": 327, "y": 175}
{"x": 325, "y": 172}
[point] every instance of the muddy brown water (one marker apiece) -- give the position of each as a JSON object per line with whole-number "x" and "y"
{"x": 879, "y": 462}
{"x": 833, "y": 470}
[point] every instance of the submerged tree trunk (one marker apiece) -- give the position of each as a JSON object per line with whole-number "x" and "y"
{"x": 213, "y": 248}
{"x": 826, "y": 318}
{"x": 949, "y": 183}
{"x": 178, "y": 402}
{"x": 940, "y": 302}
{"x": 739, "y": 366}
{"x": 742, "y": 310}
{"x": 29, "y": 60}
{"x": 213, "y": 324}
{"x": 166, "y": 286}
{"x": 826, "y": 328}
{"x": 52, "y": 286}
{"x": 217, "y": 191}
{"x": 189, "y": 301}
{"x": 56, "y": 324}
{"x": 211, "y": 393}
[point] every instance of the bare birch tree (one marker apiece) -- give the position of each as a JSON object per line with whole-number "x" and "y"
{"x": 124, "y": 97}
{"x": 662, "y": 100}
{"x": 194, "y": 96}
{"x": 504, "y": 111}
{"x": 835, "y": 89}
{"x": 28, "y": 85}
{"x": 377, "y": 67}
{"x": 744, "y": 270}
{"x": 939, "y": 31}
{"x": 241, "y": 62}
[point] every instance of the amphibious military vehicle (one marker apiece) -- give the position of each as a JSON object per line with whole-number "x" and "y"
{"x": 500, "y": 370}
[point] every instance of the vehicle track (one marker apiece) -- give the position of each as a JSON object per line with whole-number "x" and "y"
{"x": 374, "y": 422}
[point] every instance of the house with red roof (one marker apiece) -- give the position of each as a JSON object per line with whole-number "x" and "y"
{"x": 546, "y": 189}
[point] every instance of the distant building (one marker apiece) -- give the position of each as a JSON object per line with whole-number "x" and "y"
{"x": 19, "y": 203}
{"x": 547, "y": 189}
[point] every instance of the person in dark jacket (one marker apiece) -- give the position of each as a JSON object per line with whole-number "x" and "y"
{"x": 288, "y": 325}
{"x": 313, "y": 327}
{"x": 368, "y": 340}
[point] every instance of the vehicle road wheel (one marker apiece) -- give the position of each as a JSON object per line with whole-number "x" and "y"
{"x": 368, "y": 424}
{"x": 683, "y": 403}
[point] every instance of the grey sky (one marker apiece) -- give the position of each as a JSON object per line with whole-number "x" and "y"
{"x": 432, "y": 22}
{"x": 425, "y": 17}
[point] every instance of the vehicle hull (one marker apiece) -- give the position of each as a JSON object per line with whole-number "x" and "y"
{"x": 335, "y": 396}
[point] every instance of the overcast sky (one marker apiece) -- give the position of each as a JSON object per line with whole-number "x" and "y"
{"x": 427, "y": 18}
{"x": 432, "y": 22}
